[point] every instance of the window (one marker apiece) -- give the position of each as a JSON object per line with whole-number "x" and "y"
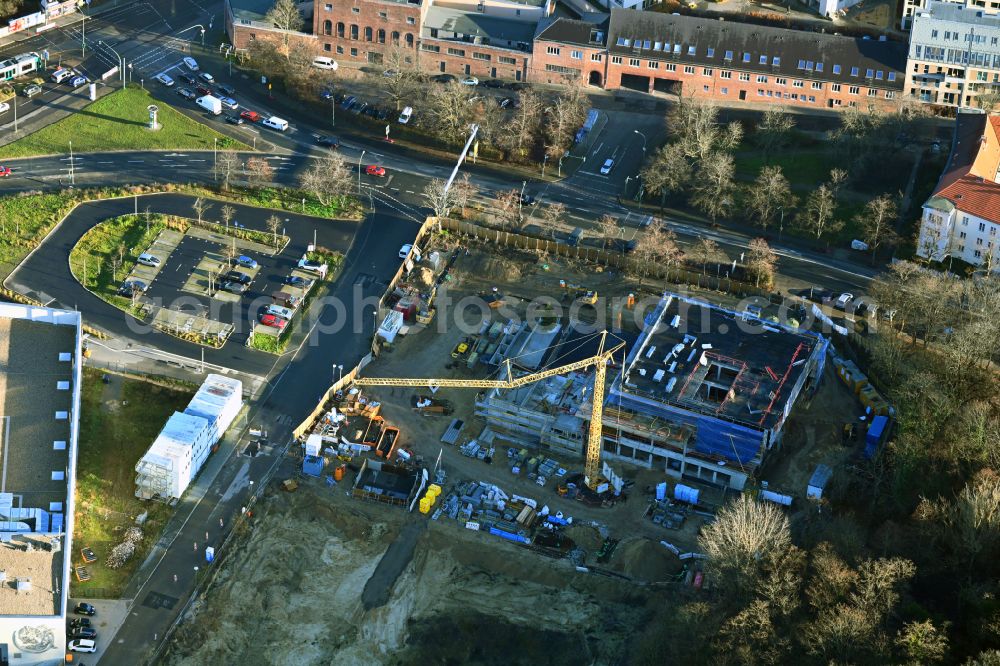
{"x": 622, "y": 41}
{"x": 382, "y": 15}
{"x": 507, "y": 60}
{"x": 328, "y": 7}
{"x": 781, "y": 81}
{"x": 340, "y": 50}
{"x": 763, "y": 60}
{"x": 962, "y": 234}
{"x": 562, "y": 70}
{"x": 354, "y": 32}
{"x": 327, "y": 27}
{"x": 760, "y": 92}
{"x": 802, "y": 64}
{"x": 965, "y": 221}
{"x": 854, "y": 71}
{"x": 633, "y": 62}
{"x": 869, "y": 73}
{"x": 761, "y": 79}
{"x": 812, "y": 98}
{"x": 616, "y": 60}
{"x": 355, "y": 10}
{"x": 725, "y": 91}
{"x": 481, "y": 56}
{"x": 340, "y": 30}
{"x": 576, "y": 55}
{"x": 819, "y": 67}
{"x": 706, "y": 71}
{"x": 798, "y": 84}
{"x": 872, "y": 92}
{"x": 977, "y": 253}
{"x": 433, "y": 48}
{"x": 689, "y": 70}
{"x": 646, "y": 44}
{"x": 746, "y": 57}
{"x": 652, "y": 64}
{"x": 728, "y": 56}
{"x": 326, "y": 47}
{"x": 692, "y": 50}
{"x": 879, "y": 74}
{"x": 705, "y": 89}
{"x": 658, "y": 46}
{"x": 552, "y": 50}
{"x": 456, "y": 52}
{"x": 725, "y": 74}
{"x": 409, "y": 40}
{"x": 368, "y": 34}
{"x": 853, "y": 90}
{"x": 380, "y": 36}
{"x": 354, "y": 53}
{"x": 982, "y": 226}
{"x": 411, "y": 20}
{"x": 835, "y": 87}
{"x": 596, "y": 57}
{"x": 817, "y": 85}
{"x": 836, "y": 69}
{"x": 711, "y": 52}
{"x": 744, "y": 76}
{"x": 934, "y": 34}
{"x": 979, "y": 242}
{"x": 775, "y": 61}
{"x": 671, "y": 67}
{"x": 395, "y": 37}
{"x": 892, "y": 76}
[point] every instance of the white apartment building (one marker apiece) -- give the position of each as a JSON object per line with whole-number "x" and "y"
{"x": 911, "y": 7}
{"x": 961, "y": 219}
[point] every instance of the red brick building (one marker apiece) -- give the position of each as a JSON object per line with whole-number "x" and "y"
{"x": 363, "y": 30}
{"x": 733, "y": 62}
{"x": 570, "y": 51}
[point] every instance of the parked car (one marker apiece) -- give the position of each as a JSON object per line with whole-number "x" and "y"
{"x": 389, "y": 73}
{"x": 527, "y": 200}
{"x": 32, "y": 90}
{"x": 229, "y": 102}
{"x": 375, "y": 170}
{"x": 191, "y": 63}
{"x": 330, "y": 142}
{"x": 323, "y": 62}
{"x": 404, "y": 251}
{"x": 77, "y": 622}
{"x": 843, "y": 300}
{"x": 470, "y": 81}
{"x": 185, "y": 93}
{"x": 236, "y": 276}
{"x": 83, "y": 632}
{"x": 164, "y": 79}
{"x": 84, "y": 608}
{"x": 326, "y": 94}
{"x": 252, "y": 116}
{"x": 296, "y": 281}
{"x": 4, "y": 107}
{"x": 202, "y": 90}
{"x": 607, "y": 166}
{"x": 348, "y": 102}
{"x": 493, "y": 83}
{"x": 147, "y": 259}
{"x": 78, "y": 81}
{"x": 233, "y": 119}
{"x": 246, "y": 262}
{"x": 5, "y": 171}
{"x": 272, "y": 321}
{"x": 234, "y": 287}
{"x": 228, "y": 91}
{"x": 131, "y": 288}
{"x": 82, "y": 645}
{"x": 445, "y": 78}
{"x": 188, "y": 79}
{"x": 405, "y": 116}
{"x": 206, "y": 77}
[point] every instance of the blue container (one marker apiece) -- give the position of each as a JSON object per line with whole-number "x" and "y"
{"x": 877, "y": 431}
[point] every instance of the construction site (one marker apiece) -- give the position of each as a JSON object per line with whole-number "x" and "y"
{"x": 468, "y": 471}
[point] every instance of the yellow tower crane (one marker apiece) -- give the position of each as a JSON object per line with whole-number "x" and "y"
{"x": 599, "y": 361}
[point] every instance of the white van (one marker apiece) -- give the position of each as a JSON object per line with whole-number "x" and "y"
{"x": 322, "y": 62}
{"x": 275, "y": 123}
{"x": 211, "y": 104}
{"x": 279, "y": 311}
{"x": 61, "y": 75}
{"x": 404, "y": 117}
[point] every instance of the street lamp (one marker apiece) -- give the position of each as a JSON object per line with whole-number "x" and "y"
{"x": 583, "y": 160}
{"x": 360, "y": 157}
{"x": 520, "y": 199}
{"x": 215, "y": 158}
{"x": 544, "y": 161}
{"x": 121, "y": 60}
{"x": 643, "y": 139}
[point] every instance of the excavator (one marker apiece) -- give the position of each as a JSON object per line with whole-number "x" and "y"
{"x": 592, "y": 466}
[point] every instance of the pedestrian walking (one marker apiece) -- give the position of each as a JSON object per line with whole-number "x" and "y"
{"x": 196, "y": 546}
{"x": 175, "y": 578}
{"x": 220, "y": 523}
{"x": 206, "y": 537}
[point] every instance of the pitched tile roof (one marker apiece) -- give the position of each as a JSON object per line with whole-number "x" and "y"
{"x": 969, "y": 179}
{"x": 572, "y": 31}
{"x": 756, "y": 48}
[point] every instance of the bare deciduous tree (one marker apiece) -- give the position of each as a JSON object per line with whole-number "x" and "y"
{"x": 761, "y": 263}
{"x": 553, "y": 214}
{"x": 694, "y": 123}
{"x": 327, "y": 178}
{"x": 259, "y": 172}
{"x": 877, "y": 222}
{"x": 273, "y": 224}
{"x": 658, "y": 246}
{"x": 226, "y": 214}
{"x": 508, "y": 208}
{"x": 463, "y": 189}
{"x": 228, "y": 162}
{"x": 610, "y": 228}
{"x": 285, "y": 15}
{"x": 562, "y": 120}
{"x": 669, "y": 172}
{"x": 400, "y": 78}
{"x": 713, "y": 188}
{"x": 817, "y": 217}
{"x": 438, "y": 198}
{"x": 705, "y": 251}
{"x": 524, "y": 123}
{"x": 450, "y": 111}
{"x": 769, "y": 194}
{"x": 200, "y": 208}
{"x": 773, "y": 130}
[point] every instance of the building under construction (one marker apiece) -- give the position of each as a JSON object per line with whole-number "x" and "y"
{"x": 702, "y": 394}
{"x": 706, "y": 391}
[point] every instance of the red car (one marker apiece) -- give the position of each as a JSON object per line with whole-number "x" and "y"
{"x": 252, "y": 116}
{"x": 374, "y": 170}
{"x": 272, "y": 321}
{"x": 202, "y": 90}
{"x": 5, "y": 171}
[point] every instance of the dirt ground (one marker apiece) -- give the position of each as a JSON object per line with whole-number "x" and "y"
{"x": 301, "y": 572}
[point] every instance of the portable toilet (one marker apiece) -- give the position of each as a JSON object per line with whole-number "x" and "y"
{"x": 817, "y": 482}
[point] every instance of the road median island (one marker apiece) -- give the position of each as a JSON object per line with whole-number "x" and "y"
{"x": 119, "y": 121}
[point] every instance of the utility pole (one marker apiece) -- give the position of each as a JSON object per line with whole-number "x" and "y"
{"x": 360, "y": 157}
{"x": 72, "y": 172}
{"x": 333, "y": 110}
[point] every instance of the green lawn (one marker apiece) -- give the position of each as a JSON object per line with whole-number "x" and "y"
{"x": 93, "y": 259}
{"x": 345, "y": 207}
{"x": 803, "y": 168}
{"x": 118, "y": 422}
{"x": 118, "y": 121}
{"x": 25, "y": 221}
